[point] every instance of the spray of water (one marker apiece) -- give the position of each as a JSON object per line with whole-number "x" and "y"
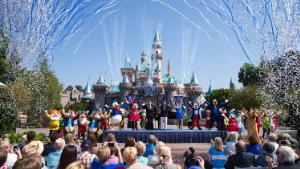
{"x": 114, "y": 45}
{"x": 36, "y": 27}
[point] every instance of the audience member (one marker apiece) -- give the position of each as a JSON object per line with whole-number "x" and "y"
{"x": 129, "y": 142}
{"x": 267, "y": 151}
{"x": 12, "y": 155}
{"x": 241, "y": 159}
{"x": 150, "y": 147}
{"x": 86, "y": 157}
{"x": 54, "y": 157}
{"x": 129, "y": 155}
{"x": 165, "y": 159}
{"x": 75, "y": 165}
{"x": 217, "y": 154}
{"x": 230, "y": 145}
{"x": 29, "y": 137}
{"x": 253, "y": 146}
{"x": 33, "y": 148}
{"x": 50, "y": 147}
{"x": 29, "y": 162}
{"x": 285, "y": 158}
{"x": 141, "y": 148}
{"x": 272, "y": 140}
{"x": 103, "y": 155}
{"x": 3, "y": 157}
{"x": 68, "y": 155}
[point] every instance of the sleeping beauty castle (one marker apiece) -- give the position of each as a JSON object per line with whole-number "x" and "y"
{"x": 145, "y": 81}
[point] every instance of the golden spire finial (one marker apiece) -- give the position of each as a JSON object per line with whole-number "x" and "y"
{"x": 169, "y": 68}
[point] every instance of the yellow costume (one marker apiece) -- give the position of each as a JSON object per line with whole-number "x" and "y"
{"x": 54, "y": 117}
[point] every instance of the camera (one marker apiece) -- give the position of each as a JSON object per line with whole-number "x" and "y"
{"x": 111, "y": 144}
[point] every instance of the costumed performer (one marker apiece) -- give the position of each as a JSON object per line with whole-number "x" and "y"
{"x": 54, "y": 117}
{"x": 69, "y": 118}
{"x": 134, "y": 116}
{"x": 82, "y": 124}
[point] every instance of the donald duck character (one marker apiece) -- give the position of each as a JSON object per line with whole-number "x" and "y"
{"x": 116, "y": 115}
{"x": 54, "y": 117}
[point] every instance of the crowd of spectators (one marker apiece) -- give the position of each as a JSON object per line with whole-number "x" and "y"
{"x": 69, "y": 153}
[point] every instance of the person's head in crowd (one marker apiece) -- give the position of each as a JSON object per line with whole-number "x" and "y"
{"x": 215, "y": 102}
{"x": 6, "y": 144}
{"x": 129, "y": 155}
{"x": 93, "y": 139}
{"x": 298, "y": 151}
{"x": 252, "y": 140}
{"x": 164, "y": 154}
{"x": 218, "y": 144}
{"x": 272, "y": 137}
{"x": 30, "y": 162}
{"x": 233, "y": 137}
{"x": 189, "y": 157}
{"x": 86, "y": 145}
{"x": 269, "y": 148}
{"x": 75, "y": 165}
{"x": 33, "y": 148}
{"x": 59, "y": 144}
{"x": 54, "y": 136}
{"x": 103, "y": 154}
{"x": 285, "y": 143}
{"x": 3, "y": 156}
{"x": 285, "y": 154}
{"x": 30, "y": 136}
{"x": 110, "y": 138}
{"x": 129, "y": 142}
{"x": 152, "y": 139}
{"x": 69, "y": 139}
{"x": 68, "y": 155}
{"x": 141, "y": 148}
{"x": 240, "y": 147}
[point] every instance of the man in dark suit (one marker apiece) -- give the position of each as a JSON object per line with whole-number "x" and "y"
{"x": 151, "y": 112}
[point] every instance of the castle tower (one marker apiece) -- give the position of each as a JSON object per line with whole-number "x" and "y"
{"x": 100, "y": 90}
{"x": 171, "y": 87}
{"x": 127, "y": 69}
{"x": 125, "y": 86}
{"x": 157, "y": 53}
{"x": 193, "y": 89}
{"x": 87, "y": 93}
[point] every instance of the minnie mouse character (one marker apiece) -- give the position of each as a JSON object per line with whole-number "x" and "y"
{"x": 134, "y": 116}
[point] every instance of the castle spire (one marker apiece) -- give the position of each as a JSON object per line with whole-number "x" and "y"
{"x": 101, "y": 79}
{"x": 194, "y": 79}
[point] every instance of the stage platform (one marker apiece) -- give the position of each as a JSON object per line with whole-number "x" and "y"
{"x": 169, "y": 135}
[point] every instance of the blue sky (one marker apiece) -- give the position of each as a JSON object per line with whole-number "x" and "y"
{"x": 131, "y": 29}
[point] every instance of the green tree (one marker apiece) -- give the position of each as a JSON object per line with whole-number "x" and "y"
{"x": 248, "y": 75}
{"x": 221, "y": 94}
{"x": 4, "y": 62}
{"x": 280, "y": 85}
{"x": 53, "y": 86}
{"x": 8, "y": 112}
{"x": 245, "y": 98}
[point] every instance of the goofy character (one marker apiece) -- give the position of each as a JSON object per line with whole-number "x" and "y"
{"x": 69, "y": 118}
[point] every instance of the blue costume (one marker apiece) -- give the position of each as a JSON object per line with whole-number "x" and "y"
{"x": 179, "y": 113}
